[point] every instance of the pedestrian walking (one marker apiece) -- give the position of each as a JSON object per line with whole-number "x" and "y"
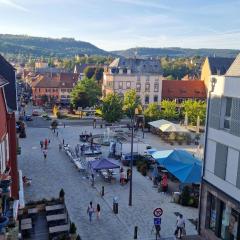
{"x": 41, "y": 144}
{"x": 64, "y": 125}
{"x": 180, "y": 226}
{"x": 98, "y": 211}
{"x": 45, "y": 153}
{"x": 60, "y": 146}
{"x": 57, "y": 134}
{"x": 129, "y": 172}
{"x": 46, "y": 143}
{"x": 122, "y": 177}
{"x": 63, "y": 142}
{"x": 94, "y": 123}
{"x": 90, "y": 211}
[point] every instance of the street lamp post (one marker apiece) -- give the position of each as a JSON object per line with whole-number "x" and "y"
{"x": 131, "y": 163}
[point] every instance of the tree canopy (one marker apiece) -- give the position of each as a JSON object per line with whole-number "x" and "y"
{"x": 131, "y": 102}
{"x": 193, "y": 109}
{"x": 169, "y": 109}
{"x": 111, "y": 108}
{"x": 85, "y": 93}
{"x": 152, "y": 112}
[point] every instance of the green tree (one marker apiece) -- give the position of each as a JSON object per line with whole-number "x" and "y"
{"x": 85, "y": 93}
{"x": 152, "y": 112}
{"x": 195, "y": 108}
{"x": 131, "y": 102}
{"x": 111, "y": 108}
{"x": 89, "y": 72}
{"x": 169, "y": 109}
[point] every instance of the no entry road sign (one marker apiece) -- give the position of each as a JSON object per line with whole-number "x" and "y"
{"x": 158, "y": 212}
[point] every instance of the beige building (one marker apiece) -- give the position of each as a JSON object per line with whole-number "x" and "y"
{"x": 143, "y": 75}
{"x": 214, "y": 66}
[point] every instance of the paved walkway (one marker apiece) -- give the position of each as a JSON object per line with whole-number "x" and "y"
{"x": 57, "y": 172}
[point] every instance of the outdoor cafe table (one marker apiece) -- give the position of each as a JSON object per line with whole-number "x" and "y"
{"x": 54, "y": 207}
{"x": 26, "y": 221}
{"x": 56, "y": 217}
{"x": 60, "y": 228}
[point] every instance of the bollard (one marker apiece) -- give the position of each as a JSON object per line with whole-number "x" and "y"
{"x": 102, "y": 191}
{"x": 135, "y": 232}
{"x": 116, "y": 208}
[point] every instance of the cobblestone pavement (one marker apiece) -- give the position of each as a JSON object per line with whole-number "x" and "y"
{"x": 57, "y": 172}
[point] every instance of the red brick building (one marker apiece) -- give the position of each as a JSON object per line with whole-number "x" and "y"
{"x": 181, "y": 90}
{"x": 8, "y": 137}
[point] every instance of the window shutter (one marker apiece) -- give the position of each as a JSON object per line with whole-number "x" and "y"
{"x": 215, "y": 112}
{"x": 235, "y": 117}
{"x": 238, "y": 174}
{"x": 221, "y": 160}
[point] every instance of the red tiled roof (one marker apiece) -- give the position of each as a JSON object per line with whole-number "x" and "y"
{"x": 62, "y": 80}
{"x": 183, "y": 89}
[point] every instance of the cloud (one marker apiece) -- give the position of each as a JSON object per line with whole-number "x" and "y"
{"x": 12, "y": 4}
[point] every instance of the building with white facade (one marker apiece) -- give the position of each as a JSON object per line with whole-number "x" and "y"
{"x": 143, "y": 75}
{"x": 220, "y": 193}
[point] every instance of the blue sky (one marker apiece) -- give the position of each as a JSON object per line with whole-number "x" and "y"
{"x": 121, "y": 24}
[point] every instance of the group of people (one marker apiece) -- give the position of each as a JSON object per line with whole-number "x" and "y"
{"x": 125, "y": 177}
{"x": 91, "y": 210}
{"x": 44, "y": 146}
{"x": 44, "y": 143}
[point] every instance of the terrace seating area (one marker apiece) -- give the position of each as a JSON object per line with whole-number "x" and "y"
{"x": 44, "y": 221}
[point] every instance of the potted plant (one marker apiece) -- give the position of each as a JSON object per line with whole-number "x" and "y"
{"x": 185, "y": 196}
{"x": 72, "y": 230}
{"x": 78, "y": 237}
{"x": 61, "y": 195}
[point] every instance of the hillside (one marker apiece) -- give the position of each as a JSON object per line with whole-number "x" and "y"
{"x": 176, "y": 52}
{"x": 39, "y": 46}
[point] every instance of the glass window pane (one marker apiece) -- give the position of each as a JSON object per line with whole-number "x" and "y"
{"x": 228, "y": 107}
{"x": 225, "y": 221}
{"x": 233, "y": 226}
{"x": 213, "y": 213}
{"x": 226, "y": 123}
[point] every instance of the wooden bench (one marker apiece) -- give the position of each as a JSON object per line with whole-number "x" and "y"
{"x": 58, "y": 229}
{"x": 56, "y": 217}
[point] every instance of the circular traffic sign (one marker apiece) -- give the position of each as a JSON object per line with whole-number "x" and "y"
{"x": 158, "y": 212}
